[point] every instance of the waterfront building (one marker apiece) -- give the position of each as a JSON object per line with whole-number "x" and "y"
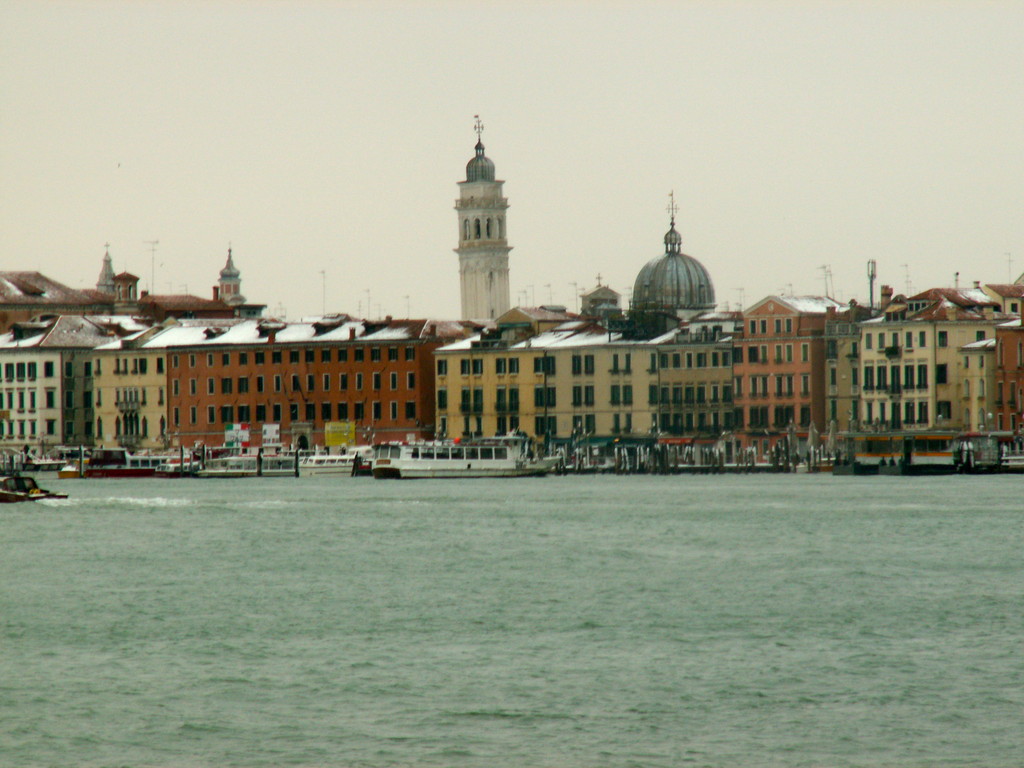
{"x": 779, "y": 369}
{"x": 483, "y": 244}
{"x": 549, "y": 383}
{"x": 129, "y": 382}
{"x": 691, "y": 394}
{"x": 578, "y": 380}
{"x": 1009, "y": 376}
{"x": 302, "y": 378}
{"x": 842, "y": 366}
{"x": 920, "y": 370}
{"x": 46, "y": 379}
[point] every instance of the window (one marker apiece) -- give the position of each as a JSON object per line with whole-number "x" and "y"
{"x": 375, "y": 356}
{"x": 940, "y": 373}
{"x": 943, "y": 339}
{"x": 226, "y": 386}
{"x": 442, "y": 368}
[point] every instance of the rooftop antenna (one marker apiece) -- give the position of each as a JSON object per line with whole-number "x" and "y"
{"x": 550, "y": 299}
{"x": 871, "y": 283}
{"x": 1009, "y": 267}
{"x": 743, "y": 301}
{"x": 906, "y": 278}
{"x": 576, "y": 296}
{"x": 956, "y": 280}
{"x": 408, "y": 312}
{"x": 826, "y": 270}
{"x": 152, "y": 262}
{"x": 368, "y": 308}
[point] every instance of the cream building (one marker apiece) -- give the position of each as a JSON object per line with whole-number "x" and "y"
{"x": 130, "y": 394}
{"x": 927, "y": 362}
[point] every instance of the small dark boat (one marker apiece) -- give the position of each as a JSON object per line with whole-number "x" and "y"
{"x": 15, "y": 488}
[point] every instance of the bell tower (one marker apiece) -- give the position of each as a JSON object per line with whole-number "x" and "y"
{"x": 483, "y": 249}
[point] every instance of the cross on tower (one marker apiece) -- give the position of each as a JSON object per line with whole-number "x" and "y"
{"x": 478, "y": 127}
{"x": 672, "y": 207}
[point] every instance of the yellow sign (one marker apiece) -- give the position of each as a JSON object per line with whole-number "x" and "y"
{"x": 339, "y": 433}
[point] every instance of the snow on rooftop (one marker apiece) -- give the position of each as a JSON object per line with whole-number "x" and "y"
{"x": 811, "y": 304}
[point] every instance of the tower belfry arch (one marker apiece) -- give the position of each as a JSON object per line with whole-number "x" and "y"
{"x": 483, "y": 247}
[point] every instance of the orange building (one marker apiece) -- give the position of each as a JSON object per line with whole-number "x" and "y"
{"x": 301, "y": 377}
{"x": 779, "y": 369}
{"x": 1009, "y": 399}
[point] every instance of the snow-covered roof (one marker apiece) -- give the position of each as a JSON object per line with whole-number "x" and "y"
{"x": 811, "y": 304}
{"x": 981, "y": 344}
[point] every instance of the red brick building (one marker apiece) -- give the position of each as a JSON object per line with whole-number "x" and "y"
{"x": 302, "y": 376}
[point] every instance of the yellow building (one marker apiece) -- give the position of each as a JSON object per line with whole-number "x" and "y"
{"x": 927, "y": 362}
{"x": 576, "y": 380}
{"x": 129, "y": 392}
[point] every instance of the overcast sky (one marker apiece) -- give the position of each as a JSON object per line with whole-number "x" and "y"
{"x": 324, "y": 140}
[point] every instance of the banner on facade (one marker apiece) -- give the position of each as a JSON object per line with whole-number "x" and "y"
{"x": 236, "y": 435}
{"x": 271, "y": 434}
{"x": 339, "y": 433}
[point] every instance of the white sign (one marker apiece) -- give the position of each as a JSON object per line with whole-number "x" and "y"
{"x": 271, "y": 434}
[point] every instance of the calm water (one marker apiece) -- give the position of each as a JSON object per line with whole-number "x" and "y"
{"x": 741, "y": 621}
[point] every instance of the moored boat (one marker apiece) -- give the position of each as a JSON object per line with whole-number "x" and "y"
{"x": 509, "y": 456}
{"x": 350, "y": 462}
{"x": 118, "y": 462}
{"x": 251, "y": 465}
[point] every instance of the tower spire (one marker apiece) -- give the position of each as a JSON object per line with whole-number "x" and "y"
{"x": 106, "y": 282}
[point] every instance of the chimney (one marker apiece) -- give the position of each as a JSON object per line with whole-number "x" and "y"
{"x": 977, "y": 283}
{"x": 216, "y": 293}
{"x": 886, "y": 299}
{"x": 351, "y": 333}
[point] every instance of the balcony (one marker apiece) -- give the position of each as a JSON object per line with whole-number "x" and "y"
{"x": 893, "y": 352}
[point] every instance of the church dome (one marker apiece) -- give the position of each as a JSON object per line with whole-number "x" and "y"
{"x": 674, "y": 281}
{"x": 480, "y": 168}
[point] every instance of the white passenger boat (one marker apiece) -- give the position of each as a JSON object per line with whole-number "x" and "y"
{"x": 351, "y": 461}
{"x": 510, "y": 456}
{"x": 251, "y": 465}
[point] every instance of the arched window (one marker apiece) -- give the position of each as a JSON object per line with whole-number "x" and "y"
{"x": 477, "y": 227}
{"x": 117, "y": 426}
{"x": 465, "y": 229}
{"x": 163, "y": 426}
{"x": 488, "y": 229}
{"x": 145, "y": 427}
{"x": 501, "y": 227}
{"x": 99, "y": 427}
